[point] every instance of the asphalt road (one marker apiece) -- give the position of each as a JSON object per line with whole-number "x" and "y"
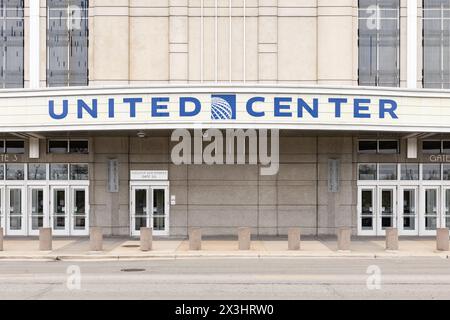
{"x": 269, "y": 279}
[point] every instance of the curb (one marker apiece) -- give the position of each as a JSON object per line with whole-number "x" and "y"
{"x": 225, "y": 255}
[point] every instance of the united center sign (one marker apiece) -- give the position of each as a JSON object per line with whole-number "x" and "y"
{"x": 243, "y": 107}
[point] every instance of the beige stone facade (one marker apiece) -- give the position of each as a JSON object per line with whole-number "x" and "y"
{"x": 140, "y": 42}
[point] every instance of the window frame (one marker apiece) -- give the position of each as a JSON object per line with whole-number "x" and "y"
{"x": 68, "y": 32}
{"x": 51, "y": 140}
{"x": 379, "y": 165}
{"x": 68, "y": 142}
{"x": 5, "y": 149}
{"x": 377, "y": 151}
{"x": 388, "y": 140}
{"x": 368, "y": 164}
{"x": 79, "y": 140}
{"x": 23, "y": 53}
{"x": 398, "y": 49}
{"x": 425, "y": 85}
{"x": 79, "y": 164}
{"x": 441, "y": 152}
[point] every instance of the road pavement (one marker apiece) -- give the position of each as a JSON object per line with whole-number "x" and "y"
{"x": 267, "y": 279}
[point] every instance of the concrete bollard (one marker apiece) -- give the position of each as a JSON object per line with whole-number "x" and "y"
{"x": 244, "y": 235}
{"x": 442, "y": 239}
{"x": 96, "y": 239}
{"x": 45, "y": 239}
{"x": 195, "y": 239}
{"x": 146, "y": 239}
{"x": 1, "y": 239}
{"x": 392, "y": 239}
{"x": 294, "y": 239}
{"x": 344, "y": 239}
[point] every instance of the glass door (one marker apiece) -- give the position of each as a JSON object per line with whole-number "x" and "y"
{"x": 36, "y": 210}
{"x": 79, "y": 211}
{"x": 386, "y": 209}
{"x": 2, "y": 209}
{"x": 15, "y": 212}
{"x": 408, "y": 211}
{"x": 429, "y": 211}
{"x": 59, "y": 212}
{"x": 446, "y": 217}
{"x": 139, "y": 209}
{"x": 366, "y": 211}
{"x": 160, "y": 211}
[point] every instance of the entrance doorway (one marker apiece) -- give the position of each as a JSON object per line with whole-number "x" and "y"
{"x": 149, "y": 208}
{"x": 414, "y": 210}
{"x": 34, "y": 196}
{"x": 15, "y": 211}
{"x": 408, "y": 210}
{"x": 377, "y": 210}
{"x": 37, "y": 208}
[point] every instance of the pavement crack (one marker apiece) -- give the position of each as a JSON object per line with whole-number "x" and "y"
{"x": 43, "y": 292}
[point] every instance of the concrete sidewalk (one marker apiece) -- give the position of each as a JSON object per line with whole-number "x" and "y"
{"x": 129, "y": 249}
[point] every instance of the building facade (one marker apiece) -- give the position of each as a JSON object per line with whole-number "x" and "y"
{"x": 96, "y": 94}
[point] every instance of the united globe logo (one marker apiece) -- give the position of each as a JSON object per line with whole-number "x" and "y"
{"x": 223, "y": 107}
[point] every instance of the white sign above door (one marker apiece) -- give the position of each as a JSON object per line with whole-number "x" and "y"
{"x": 149, "y": 175}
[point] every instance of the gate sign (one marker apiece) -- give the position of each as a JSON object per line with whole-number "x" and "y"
{"x": 240, "y": 107}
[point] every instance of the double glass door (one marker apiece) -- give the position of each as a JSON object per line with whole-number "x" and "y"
{"x": 414, "y": 210}
{"x": 69, "y": 211}
{"x": 26, "y": 209}
{"x": 377, "y": 210}
{"x": 436, "y": 209}
{"x": 149, "y": 209}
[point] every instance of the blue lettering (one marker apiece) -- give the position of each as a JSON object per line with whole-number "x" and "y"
{"x": 279, "y": 107}
{"x": 132, "y": 102}
{"x": 360, "y": 105}
{"x": 197, "y": 106}
{"x": 314, "y": 111}
{"x": 250, "y": 104}
{"x": 111, "y": 108}
{"x": 62, "y": 115}
{"x": 157, "y": 108}
{"x": 338, "y": 105}
{"x": 92, "y": 111}
{"x": 388, "y": 106}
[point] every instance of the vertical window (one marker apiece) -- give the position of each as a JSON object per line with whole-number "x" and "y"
{"x": 11, "y": 43}
{"x": 436, "y": 44}
{"x": 379, "y": 42}
{"x": 67, "y": 43}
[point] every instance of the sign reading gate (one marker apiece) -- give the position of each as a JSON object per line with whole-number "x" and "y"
{"x": 149, "y": 175}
